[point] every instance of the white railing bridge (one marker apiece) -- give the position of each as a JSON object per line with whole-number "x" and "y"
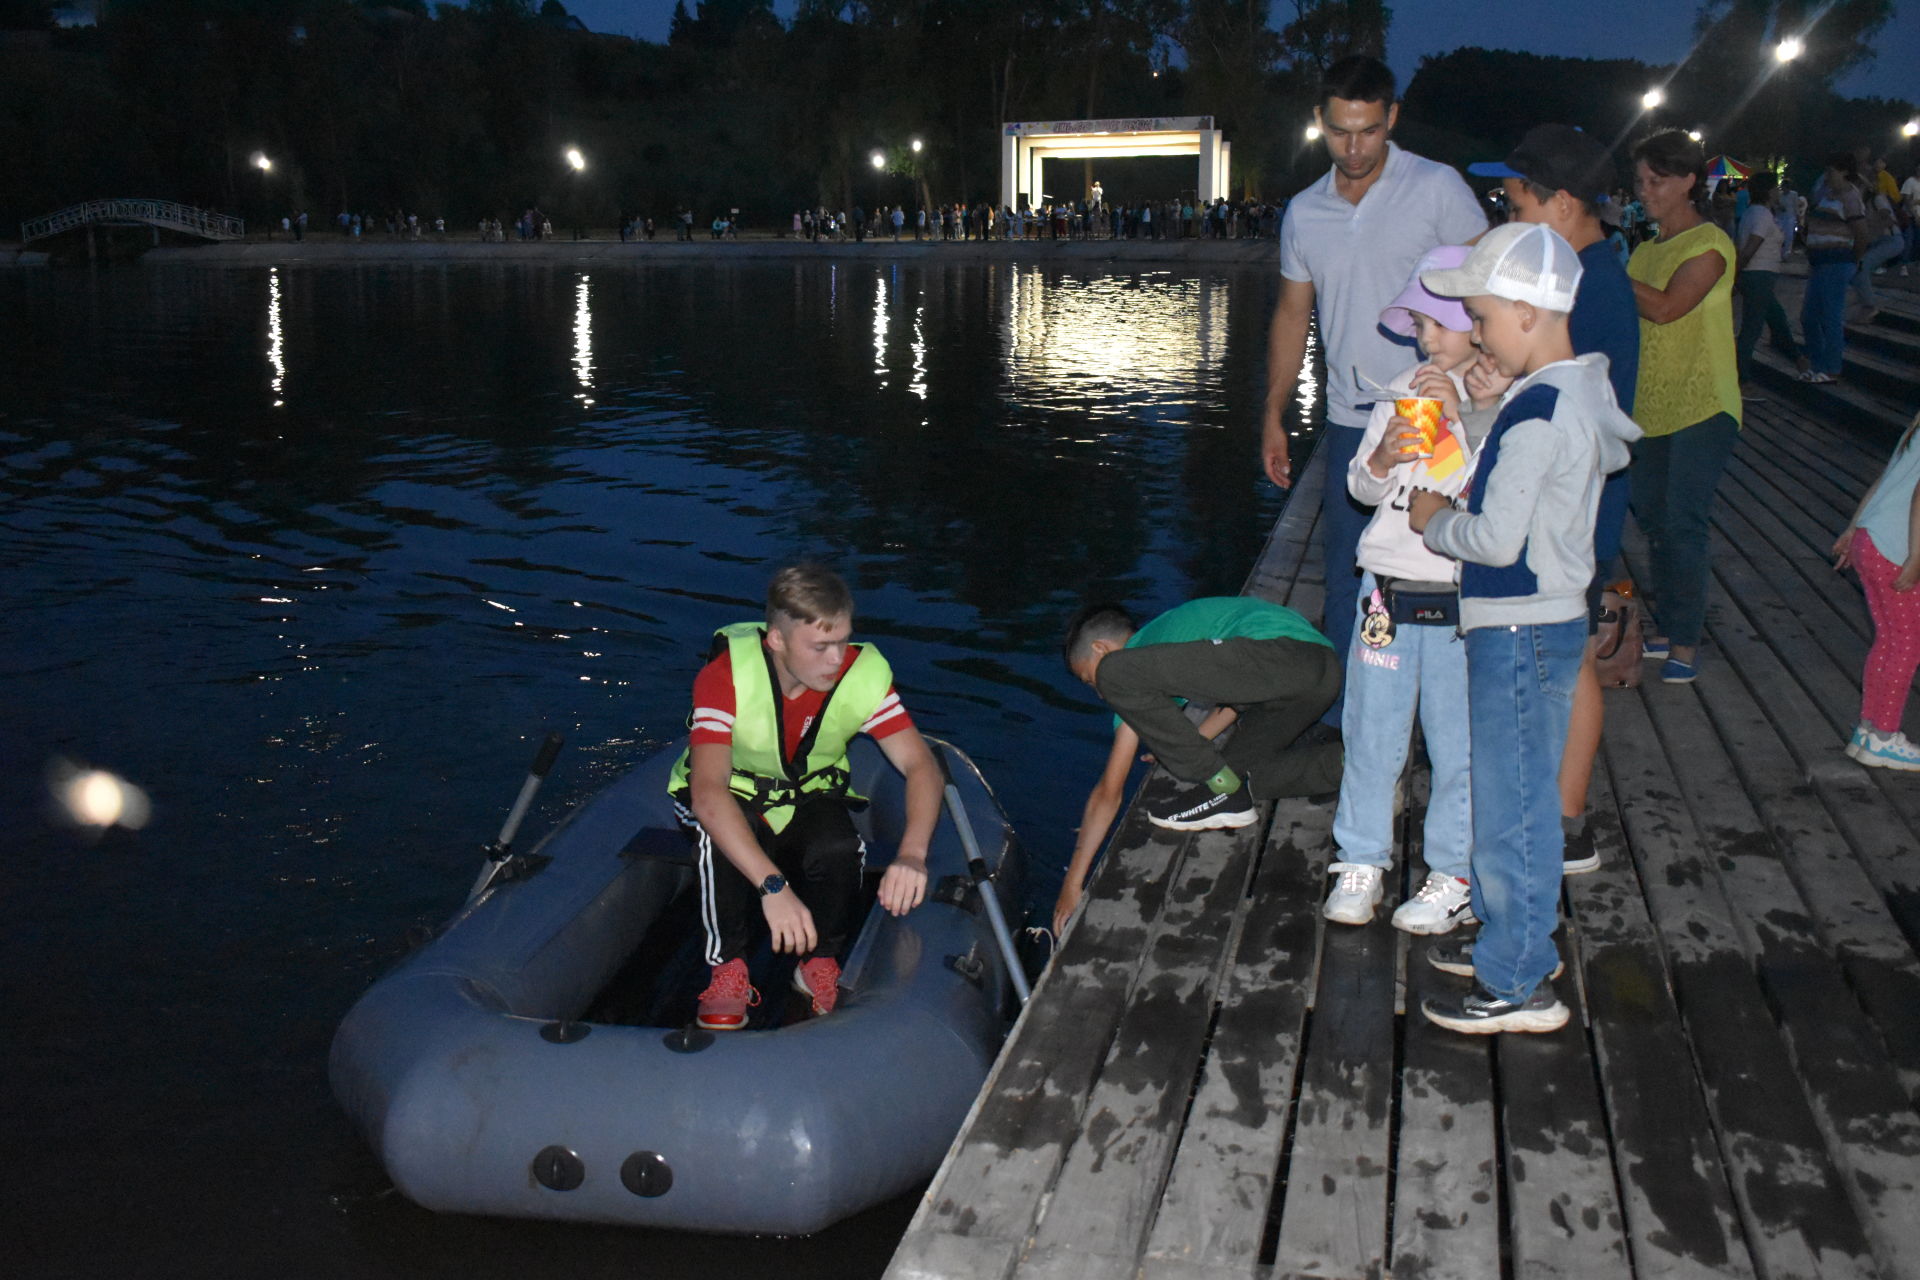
{"x": 168, "y": 214}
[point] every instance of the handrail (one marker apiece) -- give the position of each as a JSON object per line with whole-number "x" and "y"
{"x": 170, "y": 214}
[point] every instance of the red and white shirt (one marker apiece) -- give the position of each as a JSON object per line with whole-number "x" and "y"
{"x": 713, "y": 706}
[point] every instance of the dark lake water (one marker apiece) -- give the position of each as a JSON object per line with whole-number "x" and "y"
{"x": 315, "y": 558}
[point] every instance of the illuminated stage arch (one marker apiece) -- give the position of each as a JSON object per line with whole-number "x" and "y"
{"x": 1023, "y": 146}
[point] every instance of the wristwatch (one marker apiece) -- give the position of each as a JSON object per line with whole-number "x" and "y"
{"x": 771, "y": 885}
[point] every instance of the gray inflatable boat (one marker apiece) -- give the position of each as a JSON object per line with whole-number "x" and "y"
{"x": 477, "y": 1071}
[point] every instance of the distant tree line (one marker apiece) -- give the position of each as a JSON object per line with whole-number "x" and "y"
{"x": 466, "y": 111}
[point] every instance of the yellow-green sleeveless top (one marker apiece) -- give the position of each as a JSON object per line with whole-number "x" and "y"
{"x": 1688, "y": 372}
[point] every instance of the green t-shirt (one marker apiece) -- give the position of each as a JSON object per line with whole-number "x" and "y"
{"x": 1225, "y": 618}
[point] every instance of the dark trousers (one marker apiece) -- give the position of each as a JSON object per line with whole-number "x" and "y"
{"x": 1279, "y": 687}
{"x": 1674, "y": 478}
{"x": 819, "y": 853}
{"x": 1342, "y": 521}
{"x": 1760, "y": 309}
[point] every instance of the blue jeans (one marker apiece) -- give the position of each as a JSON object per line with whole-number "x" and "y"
{"x": 1674, "y": 477}
{"x": 1423, "y": 669}
{"x": 1342, "y": 521}
{"x": 1520, "y": 697}
{"x": 1878, "y": 255}
{"x": 1823, "y": 309}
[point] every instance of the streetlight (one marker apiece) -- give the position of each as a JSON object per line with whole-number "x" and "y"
{"x": 1652, "y": 98}
{"x": 1911, "y": 128}
{"x": 261, "y": 162}
{"x": 1313, "y": 133}
{"x": 916, "y": 146}
{"x": 577, "y": 161}
{"x": 1789, "y": 49}
{"x": 879, "y": 160}
{"x": 1694, "y": 134}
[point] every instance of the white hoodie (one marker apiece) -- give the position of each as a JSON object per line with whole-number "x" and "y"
{"x": 1389, "y": 547}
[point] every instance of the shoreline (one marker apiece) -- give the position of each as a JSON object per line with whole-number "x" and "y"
{"x": 328, "y": 250}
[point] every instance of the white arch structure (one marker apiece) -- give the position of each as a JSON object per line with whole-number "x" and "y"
{"x": 1023, "y": 146}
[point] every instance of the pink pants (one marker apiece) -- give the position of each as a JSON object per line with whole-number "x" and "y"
{"x": 1896, "y": 638}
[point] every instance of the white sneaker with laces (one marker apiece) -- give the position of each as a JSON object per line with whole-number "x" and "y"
{"x": 1441, "y": 905}
{"x": 1355, "y": 894}
{"x": 1887, "y": 751}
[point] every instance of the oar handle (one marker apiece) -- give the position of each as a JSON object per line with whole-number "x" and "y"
{"x": 502, "y": 846}
{"x": 977, "y": 868}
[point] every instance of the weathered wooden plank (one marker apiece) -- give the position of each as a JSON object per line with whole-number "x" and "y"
{"x": 1863, "y": 1112}
{"x": 1334, "y": 1218}
{"x": 1446, "y": 1214}
{"x": 1798, "y": 1218}
{"x": 1680, "y": 1216}
{"x": 1561, "y": 1203}
{"x": 1446, "y": 1197}
{"x": 1213, "y": 1214}
{"x": 1003, "y": 1163}
{"x": 1107, "y": 1190}
{"x": 1834, "y": 881}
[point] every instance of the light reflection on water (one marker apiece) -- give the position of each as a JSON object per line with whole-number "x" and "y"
{"x": 323, "y": 617}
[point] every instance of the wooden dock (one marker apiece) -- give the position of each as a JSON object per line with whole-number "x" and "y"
{"x": 1212, "y": 1082}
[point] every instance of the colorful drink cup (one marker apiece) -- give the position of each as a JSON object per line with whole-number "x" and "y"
{"x": 1425, "y": 415}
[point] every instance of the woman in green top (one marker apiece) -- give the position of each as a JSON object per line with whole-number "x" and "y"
{"x": 1688, "y": 396}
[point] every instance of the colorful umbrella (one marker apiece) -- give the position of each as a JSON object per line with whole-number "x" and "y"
{"x": 1728, "y": 167}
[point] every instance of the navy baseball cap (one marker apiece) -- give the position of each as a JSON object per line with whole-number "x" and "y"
{"x": 1557, "y": 156}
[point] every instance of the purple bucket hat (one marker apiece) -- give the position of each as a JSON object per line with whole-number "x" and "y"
{"x": 1398, "y": 316}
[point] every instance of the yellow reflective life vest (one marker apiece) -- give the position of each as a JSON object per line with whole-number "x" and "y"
{"x": 764, "y": 779}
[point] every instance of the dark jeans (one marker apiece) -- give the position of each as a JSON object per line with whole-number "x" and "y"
{"x": 1342, "y": 521}
{"x": 1674, "y": 477}
{"x": 1760, "y": 309}
{"x": 819, "y": 853}
{"x": 1279, "y": 687}
{"x": 1823, "y": 309}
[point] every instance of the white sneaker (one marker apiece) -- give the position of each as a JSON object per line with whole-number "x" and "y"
{"x": 1885, "y": 751}
{"x": 1441, "y": 905}
{"x": 1355, "y": 894}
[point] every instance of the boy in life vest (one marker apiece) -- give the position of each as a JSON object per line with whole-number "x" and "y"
{"x": 763, "y": 790}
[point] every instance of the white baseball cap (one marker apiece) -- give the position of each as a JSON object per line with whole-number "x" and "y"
{"x": 1519, "y": 261}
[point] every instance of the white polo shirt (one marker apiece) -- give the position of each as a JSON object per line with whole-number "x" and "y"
{"x": 1359, "y": 257}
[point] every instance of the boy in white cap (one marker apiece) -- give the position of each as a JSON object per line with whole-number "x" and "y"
{"x": 1525, "y": 543}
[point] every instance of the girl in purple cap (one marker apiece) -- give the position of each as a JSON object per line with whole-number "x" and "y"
{"x": 1406, "y": 653}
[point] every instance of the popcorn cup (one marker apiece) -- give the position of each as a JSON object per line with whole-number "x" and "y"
{"x": 1425, "y": 415}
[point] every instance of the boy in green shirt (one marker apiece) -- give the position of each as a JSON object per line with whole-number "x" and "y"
{"x": 1259, "y": 664}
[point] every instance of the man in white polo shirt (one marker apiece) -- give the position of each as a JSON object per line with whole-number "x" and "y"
{"x": 1348, "y": 246}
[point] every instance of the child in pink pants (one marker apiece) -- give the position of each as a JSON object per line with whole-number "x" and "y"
{"x": 1882, "y": 543}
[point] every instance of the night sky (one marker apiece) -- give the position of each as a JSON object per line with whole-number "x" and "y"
{"x": 1654, "y": 31}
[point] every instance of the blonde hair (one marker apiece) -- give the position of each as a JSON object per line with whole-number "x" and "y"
{"x": 807, "y": 593}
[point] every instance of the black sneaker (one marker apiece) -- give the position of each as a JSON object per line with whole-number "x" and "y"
{"x": 1198, "y": 807}
{"x": 1481, "y": 1013}
{"x": 1581, "y": 856}
{"x": 1456, "y": 957}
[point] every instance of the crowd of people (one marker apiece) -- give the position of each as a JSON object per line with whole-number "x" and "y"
{"x": 1094, "y": 218}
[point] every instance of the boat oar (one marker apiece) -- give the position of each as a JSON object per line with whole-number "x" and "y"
{"x": 502, "y": 847}
{"x": 983, "y": 881}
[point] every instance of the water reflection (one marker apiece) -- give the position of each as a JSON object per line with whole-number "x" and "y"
{"x": 1306, "y": 391}
{"x": 583, "y": 340}
{"x": 1157, "y": 337}
{"x": 276, "y": 341}
{"x": 880, "y": 328}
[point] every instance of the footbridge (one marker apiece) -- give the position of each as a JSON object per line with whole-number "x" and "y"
{"x": 167, "y": 215}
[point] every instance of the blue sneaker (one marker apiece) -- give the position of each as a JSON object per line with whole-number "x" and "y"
{"x": 1885, "y": 751}
{"x": 1655, "y": 648}
{"x": 1674, "y": 671}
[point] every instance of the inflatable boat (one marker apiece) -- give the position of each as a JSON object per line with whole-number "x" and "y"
{"x": 489, "y": 1078}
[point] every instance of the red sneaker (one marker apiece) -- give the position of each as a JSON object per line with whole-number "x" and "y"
{"x": 819, "y": 980}
{"x": 724, "y": 1004}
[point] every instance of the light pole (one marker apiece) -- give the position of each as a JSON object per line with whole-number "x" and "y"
{"x": 578, "y": 163}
